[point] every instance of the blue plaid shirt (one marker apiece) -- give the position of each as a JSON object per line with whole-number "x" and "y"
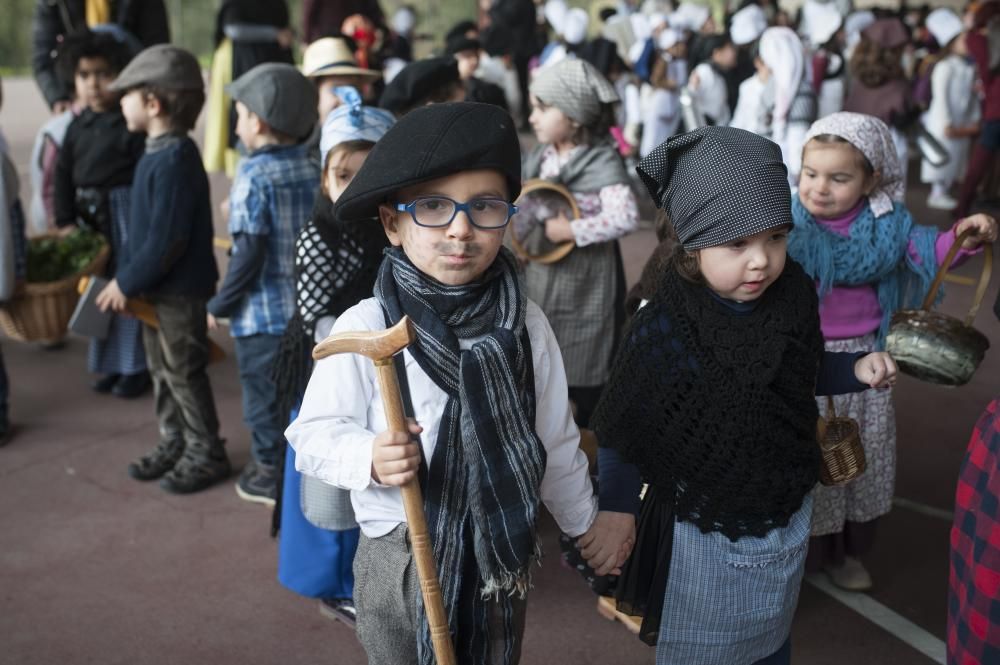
{"x": 272, "y": 196}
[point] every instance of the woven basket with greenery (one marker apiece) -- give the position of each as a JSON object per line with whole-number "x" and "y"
{"x": 42, "y": 306}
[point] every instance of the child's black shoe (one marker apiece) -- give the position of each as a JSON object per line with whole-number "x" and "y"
{"x": 201, "y": 466}
{"x": 105, "y": 383}
{"x": 158, "y": 462}
{"x": 339, "y": 609}
{"x": 130, "y": 386}
{"x": 258, "y": 483}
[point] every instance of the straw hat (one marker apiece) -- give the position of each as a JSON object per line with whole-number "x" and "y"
{"x": 331, "y": 56}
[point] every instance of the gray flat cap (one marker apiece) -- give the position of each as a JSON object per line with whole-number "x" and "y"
{"x": 163, "y": 66}
{"x": 280, "y": 96}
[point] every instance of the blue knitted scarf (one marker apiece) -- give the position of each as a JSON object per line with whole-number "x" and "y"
{"x": 876, "y": 252}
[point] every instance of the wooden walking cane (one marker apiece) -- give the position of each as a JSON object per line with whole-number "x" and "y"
{"x": 381, "y": 346}
{"x": 146, "y": 313}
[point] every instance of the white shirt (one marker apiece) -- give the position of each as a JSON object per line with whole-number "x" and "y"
{"x": 342, "y": 411}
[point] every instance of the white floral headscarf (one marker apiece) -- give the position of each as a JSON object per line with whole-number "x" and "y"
{"x": 871, "y": 136}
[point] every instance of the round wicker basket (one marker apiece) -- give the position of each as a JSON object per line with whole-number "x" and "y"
{"x": 935, "y": 347}
{"x": 40, "y": 311}
{"x": 538, "y": 249}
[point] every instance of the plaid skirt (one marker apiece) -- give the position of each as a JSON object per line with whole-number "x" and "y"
{"x": 578, "y": 296}
{"x": 121, "y": 352}
{"x": 974, "y": 580}
{"x": 870, "y": 495}
{"x": 732, "y": 602}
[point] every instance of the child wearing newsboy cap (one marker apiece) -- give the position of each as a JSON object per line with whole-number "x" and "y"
{"x": 271, "y": 198}
{"x": 169, "y": 261}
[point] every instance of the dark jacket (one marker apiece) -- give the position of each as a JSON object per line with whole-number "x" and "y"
{"x": 146, "y": 20}
{"x": 98, "y": 152}
{"x": 169, "y": 250}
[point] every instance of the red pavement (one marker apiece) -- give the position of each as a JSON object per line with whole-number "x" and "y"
{"x": 97, "y": 568}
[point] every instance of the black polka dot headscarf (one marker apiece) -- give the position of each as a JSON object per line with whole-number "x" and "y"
{"x": 718, "y": 184}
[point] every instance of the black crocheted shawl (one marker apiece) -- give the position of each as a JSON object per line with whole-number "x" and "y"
{"x": 716, "y": 407}
{"x": 335, "y": 268}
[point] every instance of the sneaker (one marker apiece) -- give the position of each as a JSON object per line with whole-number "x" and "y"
{"x": 850, "y": 576}
{"x": 105, "y": 383}
{"x": 339, "y": 609}
{"x": 130, "y": 386}
{"x": 941, "y": 202}
{"x": 198, "y": 469}
{"x": 158, "y": 462}
{"x": 258, "y": 483}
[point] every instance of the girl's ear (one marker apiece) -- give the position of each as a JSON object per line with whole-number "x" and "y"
{"x": 873, "y": 181}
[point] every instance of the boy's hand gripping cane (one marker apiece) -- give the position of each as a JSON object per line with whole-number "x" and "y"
{"x": 381, "y": 346}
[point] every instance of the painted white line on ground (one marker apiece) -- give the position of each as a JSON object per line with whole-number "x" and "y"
{"x": 883, "y": 617}
{"x": 923, "y": 509}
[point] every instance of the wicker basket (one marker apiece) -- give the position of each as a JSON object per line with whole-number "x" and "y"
{"x": 40, "y": 311}
{"x": 840, "y": 445}
{"x": 538, "y": 249}
{"x": 935, "y": 347}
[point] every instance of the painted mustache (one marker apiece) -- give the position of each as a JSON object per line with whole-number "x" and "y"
{"x": 458, "y": 249}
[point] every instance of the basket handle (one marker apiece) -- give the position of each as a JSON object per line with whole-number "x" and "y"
{"x": 559, "y": 252}
{"x": 984, "y": 277}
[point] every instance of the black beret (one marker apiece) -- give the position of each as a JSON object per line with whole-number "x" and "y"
{"x": 417, "y": 81}
{"x": 433, "y": 142}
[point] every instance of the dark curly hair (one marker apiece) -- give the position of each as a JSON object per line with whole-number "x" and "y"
{"x": 88, "y": 44}
{"x": 875, "y": 65}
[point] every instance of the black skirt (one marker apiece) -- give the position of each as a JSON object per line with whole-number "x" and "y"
{"x": 643, "y": 582}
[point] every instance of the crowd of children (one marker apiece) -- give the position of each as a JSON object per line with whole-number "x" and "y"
{"x": 367, "y": 188}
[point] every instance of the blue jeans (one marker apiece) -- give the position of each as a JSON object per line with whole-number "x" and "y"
{"x": 255, "y": 357}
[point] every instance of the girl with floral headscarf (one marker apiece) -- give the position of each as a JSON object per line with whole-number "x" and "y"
{"x": 856, "y": 239}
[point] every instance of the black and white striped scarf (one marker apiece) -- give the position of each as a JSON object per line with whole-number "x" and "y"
{"x": 482, "y": 491}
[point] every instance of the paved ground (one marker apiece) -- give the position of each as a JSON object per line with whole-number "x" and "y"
{"x": 96, "y": 568}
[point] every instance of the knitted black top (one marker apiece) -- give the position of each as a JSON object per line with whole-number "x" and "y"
{"x": 717, "y": 410}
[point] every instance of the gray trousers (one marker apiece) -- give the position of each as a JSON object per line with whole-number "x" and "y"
{"x": 385, "y": 595}
{"x": 177, "y": 356}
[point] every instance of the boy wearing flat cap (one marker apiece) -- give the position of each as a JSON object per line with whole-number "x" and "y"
{"x": 486, "y": 386}
{"x": 169, "y": 261}
{"x": 271, "y": 198}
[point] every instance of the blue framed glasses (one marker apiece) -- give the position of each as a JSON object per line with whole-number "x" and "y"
{"x": 439, "y": 211}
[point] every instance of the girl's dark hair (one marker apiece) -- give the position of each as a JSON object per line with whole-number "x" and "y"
{"x": 348, "y": 148}
{"x": 88, "y": 44}
{"x": 678, "y": 258}
{"x": 875, "y": 65}
{"x": 863, "y": 162}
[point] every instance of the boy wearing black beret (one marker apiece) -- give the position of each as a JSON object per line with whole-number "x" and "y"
{"x": 486, "y": 383}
